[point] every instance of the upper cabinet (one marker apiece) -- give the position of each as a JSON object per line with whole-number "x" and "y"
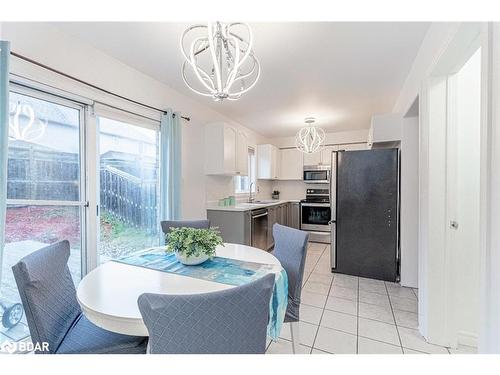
{"x": 312, "y": 159}
{"x": 353, "y": 147}
{"x": 322, "y": 157}
{"x": 268, "y": 162}
{"x": 241, "y": 153}
{"x": 385, "y": 128}
{"x": 326, "y": 154}
{"x": 292, "y": 161}
{"x": 226, "y": 150}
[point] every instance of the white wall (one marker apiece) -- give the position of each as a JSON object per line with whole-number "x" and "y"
{"x": 489, "y": 339}
{"x": 409, "y": 202}
{"x": 73, "y": 57}
{"x": 435, "y": 42}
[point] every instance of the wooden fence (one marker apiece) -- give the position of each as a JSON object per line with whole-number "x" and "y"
{"x": 130, "y": 199}
{"x": 35, "y": 173}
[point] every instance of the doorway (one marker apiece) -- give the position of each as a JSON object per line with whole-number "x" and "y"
{"x": 450, "y": 191}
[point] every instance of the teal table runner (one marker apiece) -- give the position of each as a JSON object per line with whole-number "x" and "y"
{"x": 221, "y": 270}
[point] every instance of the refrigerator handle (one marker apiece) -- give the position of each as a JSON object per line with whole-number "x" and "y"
{"x": 333, "y": 205}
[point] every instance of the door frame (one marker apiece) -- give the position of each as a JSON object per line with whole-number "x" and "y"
{"x": 52, "y": 97}
{"x": 435, "y": 271}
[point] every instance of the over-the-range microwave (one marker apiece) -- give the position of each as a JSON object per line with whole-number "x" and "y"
{"x": 317, "y": 174}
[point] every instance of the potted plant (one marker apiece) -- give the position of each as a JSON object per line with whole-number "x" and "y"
{"x": 193, "y": 246}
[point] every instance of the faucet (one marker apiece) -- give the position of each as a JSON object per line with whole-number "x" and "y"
{"x": 250, "y": 197}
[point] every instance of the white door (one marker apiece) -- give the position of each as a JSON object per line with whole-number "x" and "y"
{"x": 463, "y": 199}
{"x": 449, "y": 193}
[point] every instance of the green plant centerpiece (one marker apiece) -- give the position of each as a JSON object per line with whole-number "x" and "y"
{"x": 193, "y": 246}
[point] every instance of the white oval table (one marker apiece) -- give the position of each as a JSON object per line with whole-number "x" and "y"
{"x": 108, "y": 294}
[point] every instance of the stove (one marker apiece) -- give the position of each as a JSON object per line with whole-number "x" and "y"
{"x": 317, "y": 196}
{"x": 316, "y": 213}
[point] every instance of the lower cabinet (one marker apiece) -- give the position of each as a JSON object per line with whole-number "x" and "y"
{"x": 293, "y": 219}
{"x": 236, "y": 226}
{"x": 281, "y": 214}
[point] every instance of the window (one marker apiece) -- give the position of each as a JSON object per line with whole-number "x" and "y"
{"x": 45, "y": 194}
{"x": 242, "y": 183}
{"x": 129, "y": 188}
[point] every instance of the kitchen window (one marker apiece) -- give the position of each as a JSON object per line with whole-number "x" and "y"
{"x": 242, "y": 183}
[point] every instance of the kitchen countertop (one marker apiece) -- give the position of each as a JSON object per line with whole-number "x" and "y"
{"x": 243, "y": 206}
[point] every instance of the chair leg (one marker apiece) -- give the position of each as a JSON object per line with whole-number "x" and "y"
{"x": 294, "y": 328}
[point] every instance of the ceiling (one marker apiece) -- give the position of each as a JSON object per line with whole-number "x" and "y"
{"x": 340, "y": 73}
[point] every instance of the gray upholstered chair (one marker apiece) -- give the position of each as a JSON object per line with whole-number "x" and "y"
{"x": 53, "y": 313}
{"x": 232, "y": 321}
{"x": 290, "y": 247}
{"x": 199, "y": 224}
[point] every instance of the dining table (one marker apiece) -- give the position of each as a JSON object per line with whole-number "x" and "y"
{"x": 108, "y": 294}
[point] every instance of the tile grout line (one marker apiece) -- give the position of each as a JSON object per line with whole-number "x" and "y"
{"x": 315, "y": 264}
{"x": 322, "y": 311}
{"x": 302, "y": 287}
{"x": 357, "y": 321}
{"x": 394, "y": 317}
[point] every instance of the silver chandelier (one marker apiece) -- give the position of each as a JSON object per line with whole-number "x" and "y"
{"x": 219, "y": 60}
{"x": 309, "y": 139}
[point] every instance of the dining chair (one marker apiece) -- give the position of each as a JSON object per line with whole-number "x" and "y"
{"x": 54, "y": 316}
{"x": 231, "y": 321}
{"x": 290, "y": 247}
{"x": 199, "y": 224}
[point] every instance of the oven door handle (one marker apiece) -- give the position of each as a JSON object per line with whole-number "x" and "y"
{"x": 316, "y": 204}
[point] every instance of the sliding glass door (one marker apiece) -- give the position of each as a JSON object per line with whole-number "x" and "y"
{"x": 45, "y": 188}
{"x": 129, "y": 188}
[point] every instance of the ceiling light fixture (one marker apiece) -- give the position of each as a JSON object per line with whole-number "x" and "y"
{"x": 221, "y": 59}
{"x": 310, "y": 138}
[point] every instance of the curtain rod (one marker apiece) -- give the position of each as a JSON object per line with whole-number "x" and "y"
{"x": 89, "y": 84}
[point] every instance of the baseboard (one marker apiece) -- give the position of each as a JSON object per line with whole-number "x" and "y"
{"x": 467, "y": 339}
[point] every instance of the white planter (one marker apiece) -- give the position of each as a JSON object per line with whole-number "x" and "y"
{"x": 191, "y": 261}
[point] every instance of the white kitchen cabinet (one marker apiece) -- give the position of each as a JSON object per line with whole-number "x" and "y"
{"x": 385, "y": 128}
{"x": 226, "y": 150}
{"x": 326, "y": 155}
{"x": 292, "y": 161}
{"x": 322, "y": 157}
{"x": 268, "y": 162}
{"x": 241, "y": 154}
{"x": 312, "y": 159}
{"x": 353, "y": 147}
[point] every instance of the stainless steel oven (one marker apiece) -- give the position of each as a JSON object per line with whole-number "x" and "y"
{"x": 315, "y": 216}
{"x": 316, "y": 174}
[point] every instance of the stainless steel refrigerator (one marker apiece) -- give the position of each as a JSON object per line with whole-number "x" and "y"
{"x": 365, "y": 216}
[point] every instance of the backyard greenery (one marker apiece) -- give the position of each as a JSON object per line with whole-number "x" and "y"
{"x": 119, "y": 238}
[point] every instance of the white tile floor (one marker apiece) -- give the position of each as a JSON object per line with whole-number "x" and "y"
{"x": 343, "y": 314}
